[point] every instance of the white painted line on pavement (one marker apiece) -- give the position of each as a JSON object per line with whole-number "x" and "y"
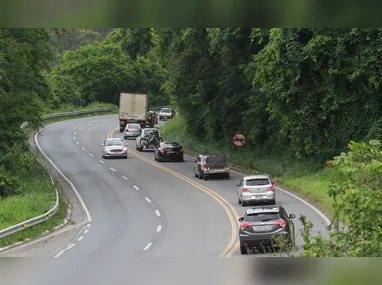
{"x": 77, "y": 143}
{"x": 80, "y": 238}
{"x": 70, "y": 246}
{"x": 83, "y": 148}
{"x": 89, "y": 225}
{"x": 74, "y": 138}
{"x": 136, "y": 187}
{"x": 124, "y": 177}
{"x": 75, "y": 133}
{"x": 81, "y": 128}
{"x": 148, "y": 246}
{"x": 89, "y": 218}
{"x": 91, "y": 154}
{"x": 147, "y": 199}
{"x": 101, "y": 161}
{"x": 59, "y": 254}
{"x": 157, "y": 212}
{"x": 86, "y": 231}
{"x": 90, "y": 124}
{"x": 112, "y": 168}
{"x": 159, "y": 228}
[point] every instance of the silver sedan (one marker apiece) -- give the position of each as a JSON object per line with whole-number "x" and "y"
{"x": 256, "y": 189}
{"x": 114, "y": 147}
{"x": 131, "y": 131}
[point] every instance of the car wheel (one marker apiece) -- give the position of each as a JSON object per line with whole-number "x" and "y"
{"x": 243, "y": 250}
{"x": 196, "y": 175}
{"x": 205, "y": 178}
{"x": 159, "y": 159}
{"x": 181, "y": 159}
{"x": 140, "y": 148}
{"x": 243, "y": 204}
{"x": 238, "y": 200}
{"x": 126, "y": 157}
{"x": 155, "y": 157}
{"x": 228, "y": 176}
{"x": 200, "y": 175}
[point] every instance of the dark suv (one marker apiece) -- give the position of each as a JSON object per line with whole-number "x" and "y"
{"x": 206, "y": 166}
{"x": 266, "y": 227}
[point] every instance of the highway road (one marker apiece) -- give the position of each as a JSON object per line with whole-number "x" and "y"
{"x": 139, "y": 208}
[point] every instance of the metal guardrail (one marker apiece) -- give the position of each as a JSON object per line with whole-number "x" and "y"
{"x": 39, "y": 219}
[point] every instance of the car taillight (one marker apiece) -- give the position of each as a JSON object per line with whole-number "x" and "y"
{"x": 127, "y": 130}
{"x": 244, "y": 225}
{"x": 181, "y": 150}
{"x": 161, "y": 150}
{"x": 245, "y": 189}
{"x": 203, "y": 165}
{"x": 271, "y": 188}
{"x": 281, "y": 223}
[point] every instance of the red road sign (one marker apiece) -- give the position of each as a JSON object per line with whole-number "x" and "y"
{"x": 239, "y": 139}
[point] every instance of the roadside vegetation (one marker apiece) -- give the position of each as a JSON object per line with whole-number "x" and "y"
{"x": 301, "y": 96}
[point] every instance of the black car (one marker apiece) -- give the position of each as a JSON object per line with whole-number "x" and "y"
{"x": 206, "y": 166}
{"x": 168, "y": 151}
{"x": 266, "y": 227}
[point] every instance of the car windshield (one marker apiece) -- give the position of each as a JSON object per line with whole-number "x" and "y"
{"x": 114, "y": 143}
{"x": 133, "y": 126}
{"x": 257, "y": 182}
{"x": 165, "y": 110}
{"x": 262, "y": 217}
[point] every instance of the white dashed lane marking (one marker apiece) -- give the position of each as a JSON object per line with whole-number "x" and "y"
{"x": 157, "y": 212}
{"x": 112, "y": 169}
{"x": 148, "y": 246}
{"x": 124, "y": 177}
{"x": 77, "y": 143}
{"x": 74, "y": 138}
{"x": 86, "y": 231}
{"x": 83, "y": 148}
{"x": 101, "y": 161}
{"x": 80, "y": 238}
{"x": 75, "y": 133}
{"x": 159, "y": 228}
{"x": 91, "y": 154}
{"x": 147, "y": 199}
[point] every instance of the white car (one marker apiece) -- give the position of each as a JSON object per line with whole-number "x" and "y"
{"x": 145, "y": 134}
{"x": 114, "y": 147}
{"x": 166, "y": 113}
{"x": 255, "y": 189}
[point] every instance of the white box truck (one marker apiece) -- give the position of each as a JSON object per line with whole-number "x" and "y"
{"x": 133, "y": 108}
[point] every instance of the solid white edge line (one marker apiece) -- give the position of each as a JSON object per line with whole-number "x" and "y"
{"x": 89, "y": 225}
{"x": 157, "y": 212}
{"x": 147, "y": 199}
{"x": 148, "y": 246}
{"x": 320, "y": 213}
{"x": 89, "y": 217}
{"x": 136, "y": 187}
{"x": 112, "y": 168}
{"x": 159, "y": 228}
{"x": 86, "y": 231}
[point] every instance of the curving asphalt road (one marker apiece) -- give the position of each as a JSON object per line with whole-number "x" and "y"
{"x": 139, "y": 207}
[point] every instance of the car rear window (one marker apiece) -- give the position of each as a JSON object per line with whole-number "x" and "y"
{"x": 216, "y": 159}
{"x": 262, "y": 217}
{"x": 165, "y": 110}
{"x": 133, "y": 126}
{"x": 152, "y": 132}
{"x": 257, "y": 182}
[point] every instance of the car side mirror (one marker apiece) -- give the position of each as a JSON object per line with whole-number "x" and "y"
{"x": 292, "y": 216}
{"x": 241, "y": 219}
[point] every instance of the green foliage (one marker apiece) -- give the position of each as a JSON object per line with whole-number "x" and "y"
{"x": 357, "y": 195}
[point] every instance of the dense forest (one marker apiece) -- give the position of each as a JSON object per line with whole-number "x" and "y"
{"x": 308, "y": 92}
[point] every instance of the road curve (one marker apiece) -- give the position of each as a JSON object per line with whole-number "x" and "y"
{"x": 141, "y": 208}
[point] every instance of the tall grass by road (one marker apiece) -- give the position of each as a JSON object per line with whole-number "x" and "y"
{"x": 302, "y": 176}
{"x": 35, "y": 196}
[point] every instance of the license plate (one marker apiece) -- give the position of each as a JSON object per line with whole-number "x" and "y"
{"x": 170, "y": 151}
{"x": 262, "y": 228}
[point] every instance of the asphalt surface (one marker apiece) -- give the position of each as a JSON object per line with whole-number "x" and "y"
{"x": 139, "y": 208}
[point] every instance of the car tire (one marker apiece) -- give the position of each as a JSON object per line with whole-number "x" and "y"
{"x": 205, "y": 178}
{"x": 238, "y": 200}
{"x": 159, "y": 159}
{"x": 196, "y": 175}
{"x": 125, "y": 157}
{"x": 243, "y": 204}
{"x": 155, "y": 157}
{"x": 200, "y": 176}
{"x": 243, "y": 250}
{"x": 227, "y": 177}
{"x": 181, "y": 159}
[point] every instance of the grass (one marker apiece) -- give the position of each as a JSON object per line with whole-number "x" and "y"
{"x": 35, "y": 196}
{"x": 307, "y": 178}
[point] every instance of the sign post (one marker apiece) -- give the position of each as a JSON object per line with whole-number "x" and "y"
{"x": 239, "y": 139}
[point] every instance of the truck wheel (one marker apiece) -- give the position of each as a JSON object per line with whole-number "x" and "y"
{"x": 120, "y": 130}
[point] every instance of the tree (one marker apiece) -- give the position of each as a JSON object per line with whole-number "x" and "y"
{"x": 357, "y": 196}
